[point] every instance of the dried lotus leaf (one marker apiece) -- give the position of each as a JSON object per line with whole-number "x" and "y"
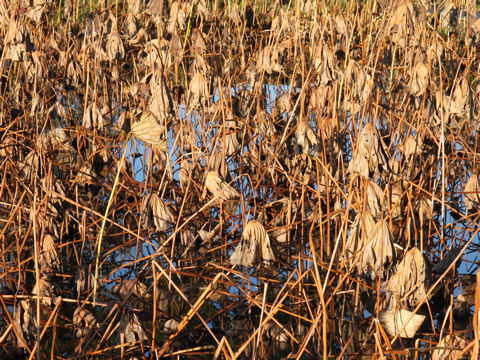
{"x": 148, "y": 130}
{"x": 84, "y": 321}
{"x": 131, "y": 328}
{"x": 170, "y": 326}
{"x": 115, "y": 48}
{"x": 246, "y": 254}
{"x": 369, "y": 154}
{"x": 231, "y": 144}
{"x": 378, "y": 251}
{"x": 48, "y": 255}
{"x": 445, "y": 347}
{"x": 410, "y": 278}
{"x": 374, "y": 198}
{"x": 198, "y": 89}
{"x": 161, "y": 103}
{"x": 419, "y": 80}
{"x": 44, "y": 288}
{"x": 361, "y": 227}
{"x": 401, "y": 24}
{"x": 411, "y": 146}
{"x": 161, "y": 215}
{"x": 460, "y": 100}
{"x": 401, "y": 323}
{"x": 219, "y": 188}
{"x": 305, "y": 136}
{"x": 127, "y": 287}
{"x": 472, "y": 192}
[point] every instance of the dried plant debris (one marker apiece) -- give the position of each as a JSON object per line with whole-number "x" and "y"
{"x": 254, "y": 245}
{"x": 449, "y": 347}
{"x": 410, "y": 280}
{"x": 349, "y": 127}
{"x": 401, "y": 323}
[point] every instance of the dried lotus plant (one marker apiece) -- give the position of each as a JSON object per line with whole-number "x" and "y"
{"x": 306, "y": 138}
{"x": 402, "y": 24}
{"x": 161, "y": 103}
{"x": 472, "y": 192}
{"x": 128, "y": 287}
{"x": 410, "y": 280}
{"x": 219, "y": 188}
{"x": 378, "y": 251}
{"x": 148, "y": 130}
{"x": 460, "y": 103}
{"x": 419, "y": 79}
{"x": 268, "y": 60}
{"x": 156, "y": 214}
{"x": 48, "y": 255}
{"x": 254, "y": 244}
{"x": 401, "y": 323}
{"x": 44, "y": 288}
{"x": 130, "y": 329}
{"x": 84, "y": 321}
{"x": 450, "y": 347}
{"x": 411, "y": 146}
{"x": 347, "y": 129}
{"x": 369, "y": 155}
{"x": 375, "y": 199}
{"x": 198, "y": 89}
{"x": 115, "y": 49}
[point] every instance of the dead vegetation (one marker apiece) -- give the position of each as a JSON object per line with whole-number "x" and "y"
{"x": 254, "y": 179}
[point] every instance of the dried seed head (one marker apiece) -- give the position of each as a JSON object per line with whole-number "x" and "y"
{"x": 410, "y": 278}
{"x": 397, "y": 323}
{"x": 219, "y": 188}
{"x": 150, "y": 131}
